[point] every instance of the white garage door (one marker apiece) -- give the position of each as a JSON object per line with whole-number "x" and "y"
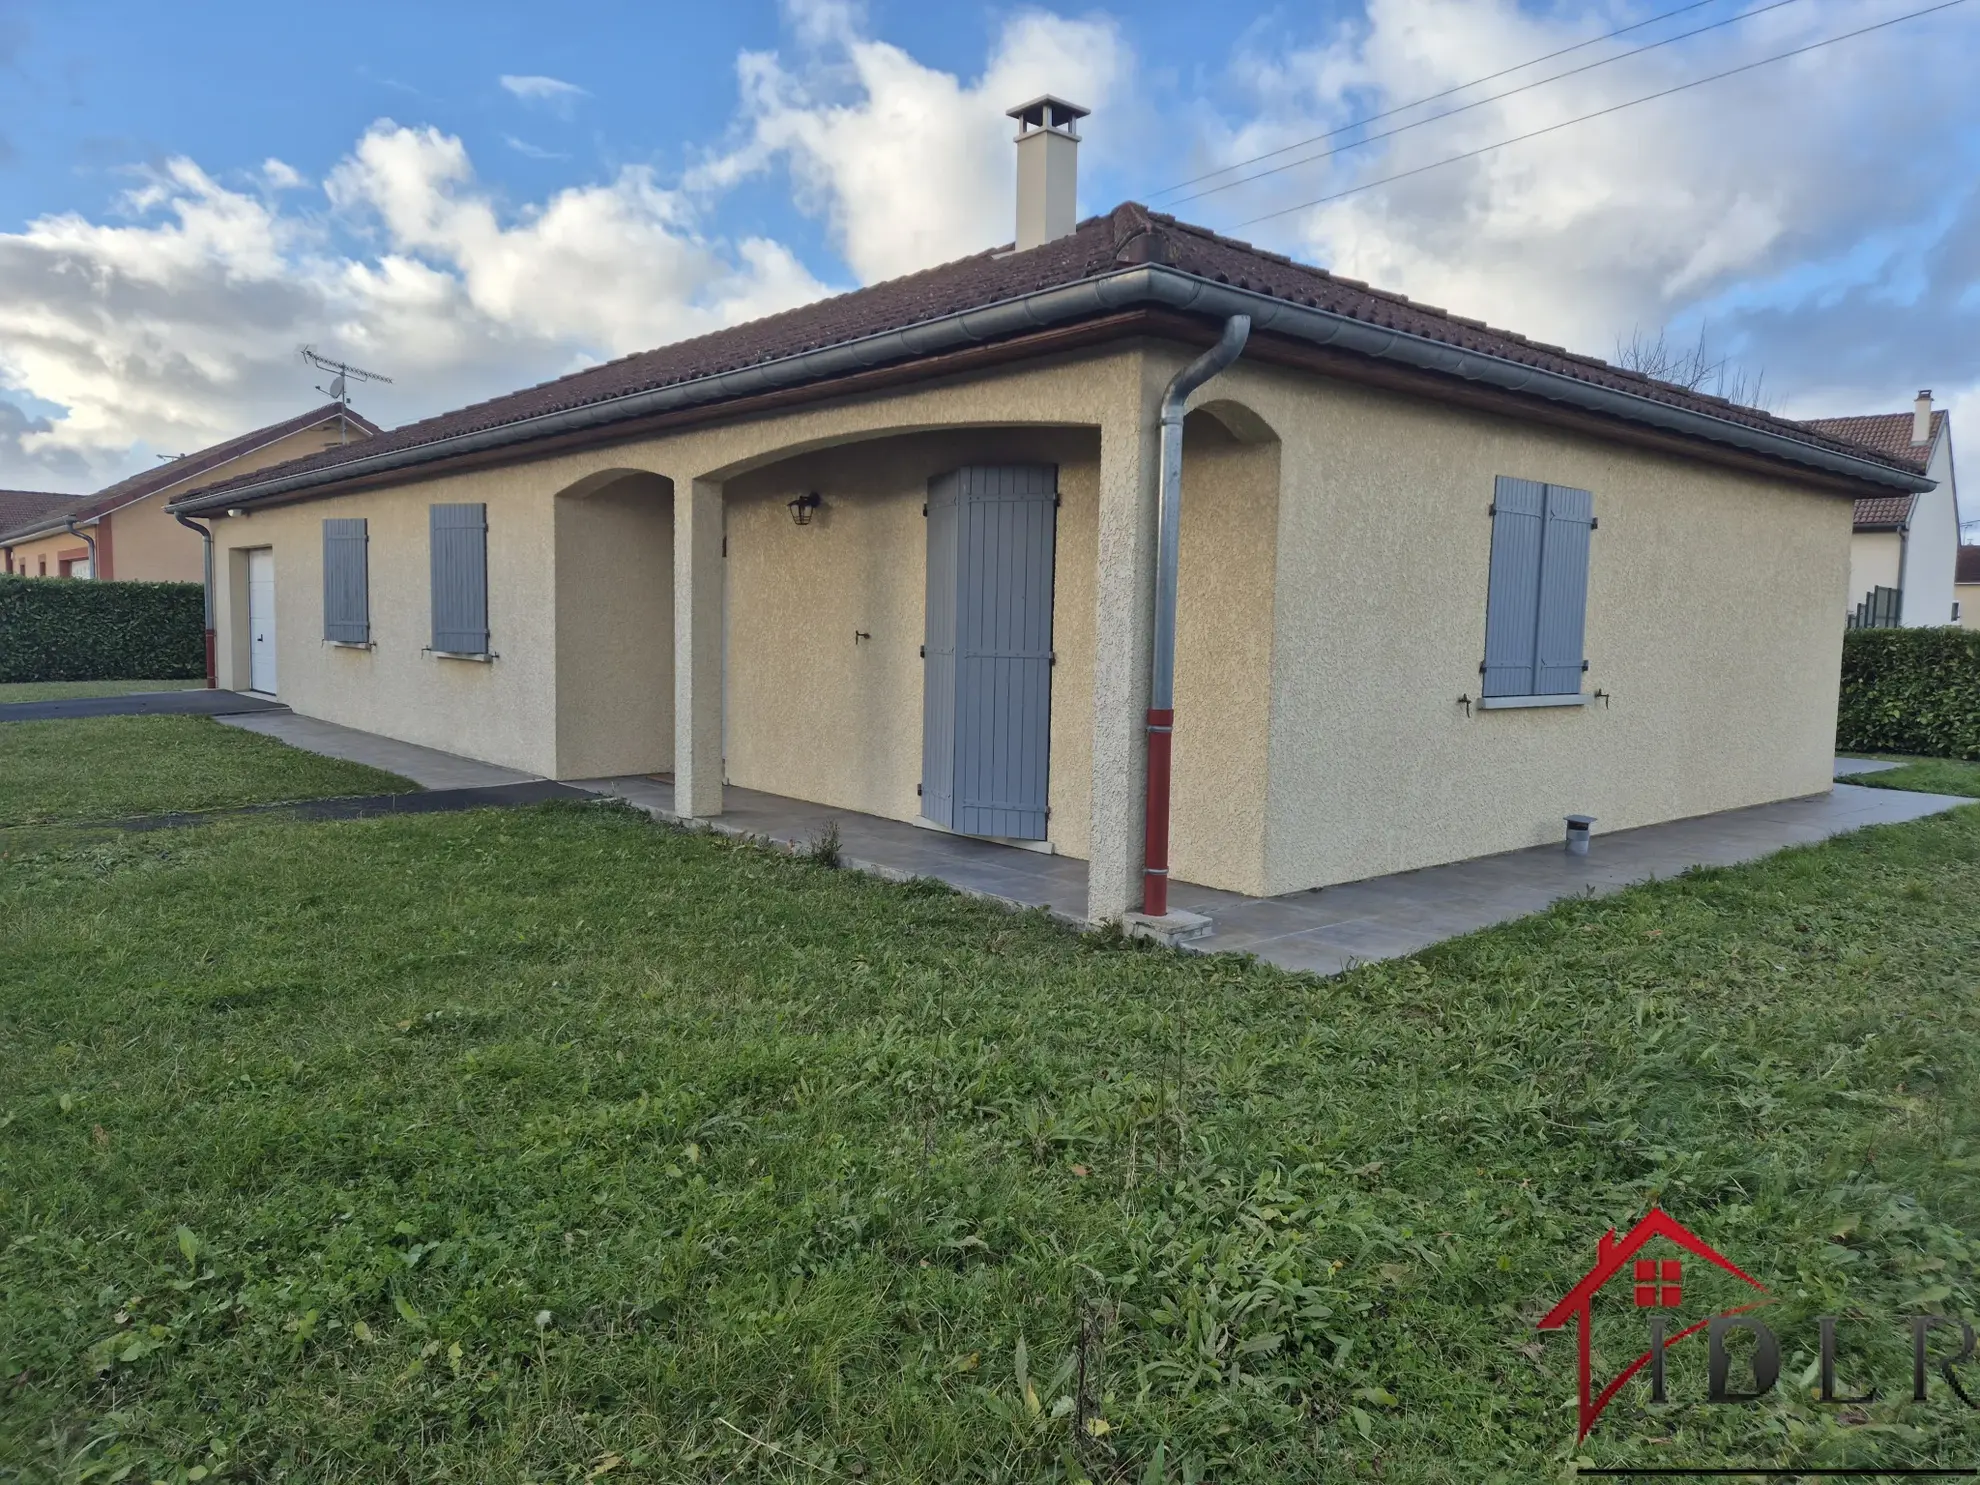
{"x": 261, "y": 620}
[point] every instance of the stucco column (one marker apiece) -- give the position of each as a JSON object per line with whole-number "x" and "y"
{"x": 697, "y": 648}
{"x": 1124, "y": 596}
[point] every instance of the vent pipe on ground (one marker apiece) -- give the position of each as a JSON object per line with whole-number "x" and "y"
{"x": 1168, "y": 557}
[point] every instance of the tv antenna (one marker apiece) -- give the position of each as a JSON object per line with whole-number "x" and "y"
{"x": 342, "y": 373}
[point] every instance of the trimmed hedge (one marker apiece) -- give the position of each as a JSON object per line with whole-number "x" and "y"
{"x": 1910, "y": 691}
{"x": 56, "y": 629}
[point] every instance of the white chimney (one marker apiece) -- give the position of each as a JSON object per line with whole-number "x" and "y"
{"x": 1921, "y": 416}
{"x": 1047, "y": 169}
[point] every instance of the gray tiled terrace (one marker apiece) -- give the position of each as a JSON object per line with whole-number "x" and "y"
{"x": 1328, "y": 929}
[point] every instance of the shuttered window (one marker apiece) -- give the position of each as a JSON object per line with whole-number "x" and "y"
{"x": 1537, "y": 602}
{"x": 346, "y": 581}
{"x": 459, "y": 539}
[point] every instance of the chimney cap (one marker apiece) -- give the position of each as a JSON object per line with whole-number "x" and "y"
{"x": 1048, "y": 112}
{"x": 1925, "y": 394}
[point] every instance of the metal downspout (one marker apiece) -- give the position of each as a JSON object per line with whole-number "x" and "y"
{"x": 1168, "y": 556}
{"x": 205, "y": 536}
{"x": 88, "y": 541}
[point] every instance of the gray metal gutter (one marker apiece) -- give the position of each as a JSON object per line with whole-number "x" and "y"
{"x": 1134, "y": 287}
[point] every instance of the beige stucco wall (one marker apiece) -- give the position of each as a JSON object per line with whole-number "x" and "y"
{"x": 1876, "y": 560}
{"x": 1712, "y": 622}
{"x": 614, "y": 628}
{"x": 502, "y": 711}
{"x": 1224, "y": 641}
{"x": 818, "y": 714}
{"x": 28, "y": 555}
{"x": 1968, "y": 595}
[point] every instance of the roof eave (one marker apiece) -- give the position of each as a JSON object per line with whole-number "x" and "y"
{"x": 1143, "y": 284}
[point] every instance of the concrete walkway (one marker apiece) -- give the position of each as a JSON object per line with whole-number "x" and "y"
{"x": 427, "y": 767}
{"x": 1850, "y": 767}
{"x": 1326, "y": 930}
{"x": 140, "y": 703}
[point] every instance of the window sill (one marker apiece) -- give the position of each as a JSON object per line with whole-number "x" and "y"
{"x": 350, "y": 644}
{"x": 481, "y": 657}
{"x": 1509, "y": 703}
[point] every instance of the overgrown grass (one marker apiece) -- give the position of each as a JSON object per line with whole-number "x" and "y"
{"x": 1927, "y": 776}
{"x": 529, "y": 1145}
{"x": 98, "y": 768}
{"x": 65, "y": 690}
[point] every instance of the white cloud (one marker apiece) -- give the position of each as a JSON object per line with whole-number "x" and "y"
{"x": 178, "y": 326}
{"x": 536, "y": 89}
{"x": 910, "y": 165}
{"x": 281, "y": 176}
{"x": 532, "y": 151}
{"x": 1756, "y": 203}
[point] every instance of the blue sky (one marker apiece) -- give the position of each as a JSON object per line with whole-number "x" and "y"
{"x": 189, "y": 191}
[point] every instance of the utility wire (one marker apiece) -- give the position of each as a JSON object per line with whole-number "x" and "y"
{"x": 1451, "y": 113}
{"x": 1476, "y": 82}
{"x": 1602, "y": 112}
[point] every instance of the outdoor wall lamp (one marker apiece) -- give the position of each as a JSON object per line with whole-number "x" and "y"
{"x": 803, "y": 506}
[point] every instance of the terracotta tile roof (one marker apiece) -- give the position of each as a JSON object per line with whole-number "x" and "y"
{"x": 18, "y": 507}
{"x": 1890, "y": 435}
{"x": 1966, "y": 568}
{"x": 1127, "y": 236}
{"x": 1884, "y": 512}
{"x": 175, "y": 472}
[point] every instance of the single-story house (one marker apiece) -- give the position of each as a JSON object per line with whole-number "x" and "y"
{"x": 123, "y": 531}
{"x": 1436, "y": 585}
{"x": 1966, "y": 587}
{"x": 1902, "y": 551}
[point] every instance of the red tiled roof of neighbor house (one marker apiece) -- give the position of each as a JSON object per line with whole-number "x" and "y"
{"x": 1890, "y": 435}
{"x": 174, "y": 472}
{"x": 18, "y": 507}
{"x": 1966, "y": 567}
{"x": 1128, "y": 236}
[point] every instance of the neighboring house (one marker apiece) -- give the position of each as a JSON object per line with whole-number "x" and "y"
{"x": 896, "y": 552}
{"x": 22, "y": 508}
{"x": 1966, "y": 586}
{"x": 1901, "y": 556}
{"x": 133, "y": 537}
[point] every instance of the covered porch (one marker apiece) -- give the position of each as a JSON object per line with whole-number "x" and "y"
{"x": 795, "y": 645}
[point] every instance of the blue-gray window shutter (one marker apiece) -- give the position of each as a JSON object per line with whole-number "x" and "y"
{"x": 1563, "y": 592}
{"x": 459, "y": 543}
{"x": 1512, "y": 599}
{"x": 1006, "y": 520}
{"x": 938, "y": 676}
{"x": 1536, "y": 606}
{"x": 346, "y": 581}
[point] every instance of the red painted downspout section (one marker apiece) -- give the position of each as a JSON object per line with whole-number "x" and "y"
{"x": 1155, "y": 851}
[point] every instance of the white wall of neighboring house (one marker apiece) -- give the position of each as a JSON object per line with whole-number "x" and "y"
{"x": 1931, "y": 546}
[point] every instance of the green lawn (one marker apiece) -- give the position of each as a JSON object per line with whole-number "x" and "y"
{"x": 553, "y": 1145}
{"x": 99, "y": 768}
{"x": 1927, "y": 776}
{"x": 64, "y": 690}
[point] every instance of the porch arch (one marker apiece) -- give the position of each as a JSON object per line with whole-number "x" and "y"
{"x": 614, "y": 623}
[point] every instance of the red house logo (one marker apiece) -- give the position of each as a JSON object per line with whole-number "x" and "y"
{"x": 1655, "y": 1284}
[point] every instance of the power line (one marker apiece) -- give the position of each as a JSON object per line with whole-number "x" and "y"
{"x": 1476, "y": 82}
{"x": 1451, "y": 113}
{"x": 1601, "y": 112}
